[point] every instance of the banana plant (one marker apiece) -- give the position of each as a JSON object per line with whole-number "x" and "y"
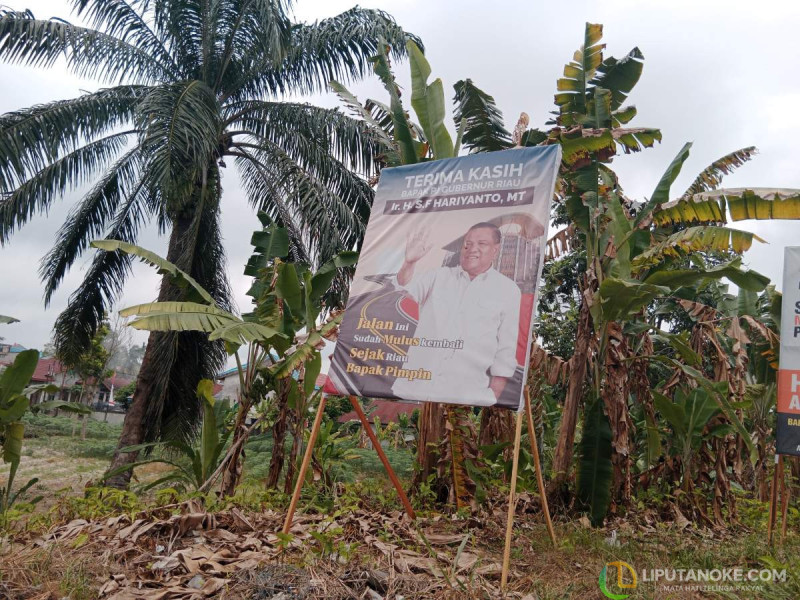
{"x": 689, "y": 418}
{"x": 193, "y": 465}
{"x": 13, "y": 405}
{"x": 15, "y": 393}
{"x": 287, "y": 300}
{"x": 639, "y": 254}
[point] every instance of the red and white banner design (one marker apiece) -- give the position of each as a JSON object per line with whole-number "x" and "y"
{"x": 788, "y": 433}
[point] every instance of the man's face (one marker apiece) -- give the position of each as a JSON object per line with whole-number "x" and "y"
{"x": 479, "y": 251}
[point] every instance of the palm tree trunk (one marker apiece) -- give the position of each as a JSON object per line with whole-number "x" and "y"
{"x": 133, "y": 425}
{"x": 150, "y": 373}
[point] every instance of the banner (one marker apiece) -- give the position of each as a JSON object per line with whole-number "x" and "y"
{"x": 787, "y": 439}
{"x": 443, "y": 296}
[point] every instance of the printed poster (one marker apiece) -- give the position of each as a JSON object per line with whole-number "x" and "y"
{"x": 444, "y": 292}
{"x": 788, "y": 433}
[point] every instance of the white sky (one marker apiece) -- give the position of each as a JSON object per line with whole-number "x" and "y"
{"x": 718, "y": 73}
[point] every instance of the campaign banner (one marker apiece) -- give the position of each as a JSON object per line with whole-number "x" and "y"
{"x": 787, "y": 437}
{"x": 444, "y": 292}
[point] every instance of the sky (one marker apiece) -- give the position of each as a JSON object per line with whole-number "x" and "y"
{"x": 716, "y": 73}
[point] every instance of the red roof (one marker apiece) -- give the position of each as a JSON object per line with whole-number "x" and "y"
{"x": 320, "y": 381}
{"x": 118, "y": 381}
{"x": 48, "y": 370}
{"x": 386, "y": 410}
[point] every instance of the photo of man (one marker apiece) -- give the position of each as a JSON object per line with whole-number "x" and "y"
{"x": 471, "y": 304}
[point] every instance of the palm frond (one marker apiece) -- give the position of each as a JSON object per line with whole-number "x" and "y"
{"x": 711, "y": 176}
{"x": 33, "y": 138}
{"x": 90, "y": 54}
{"x": 338, "y": 48}
{"x": 258, "y": 30}
{"x": 121, "y": 20}
{"x": 181, "y": 25}
{"x": 181, "y": 125}
{"x": 88, "y": 220}
{"x": 257, "y": 182}
{"x": 380, "y": 125}
{"x": 295, "y": 126}
{"x": 484, "y": 130}
{"x": 317, "y": 218}
{"x": 60, "y": 176}
{"x": 87, "y": 306}
{"x": 329, "y": 202}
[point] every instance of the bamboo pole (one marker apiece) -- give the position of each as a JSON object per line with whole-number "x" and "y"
{"x": 512, "y": 504}
{"x": 773, "y": 497}
{"x": 287, "y": 524}
{"x": 786, "y": 491}
{"x": 377, "y": 445}
{"x": 538, "y": 465}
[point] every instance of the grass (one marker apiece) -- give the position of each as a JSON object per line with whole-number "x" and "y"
{"x": 364, "y": 464}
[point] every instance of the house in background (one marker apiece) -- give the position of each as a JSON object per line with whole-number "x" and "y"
{"x": 8, "y": 352}
{"x": 388, "y": 411}
{"x": 226, "y": 384}
{"x": 49, "y": 370}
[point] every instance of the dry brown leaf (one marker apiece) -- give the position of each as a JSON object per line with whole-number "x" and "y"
{"x": 490, "y": 569}
{"x": 192, "y": 521}
{"x": 466, "y": 560}
{"x": 192, "y": 566}
{"x": 240, "y": 521}
{"x": 126, "y": 531}
{"x": 221, "y": 535}
{"x": 251, "y": 543}
{"x": 444, "y": 538}
{"x": 212, "y": 566}
{"x": 410, "y": 560}
{"x": 166, "y": 564}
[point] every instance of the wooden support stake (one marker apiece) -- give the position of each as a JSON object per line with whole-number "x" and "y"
{"x": 287, "y": 524}
{"x": 786, "y": 491}
{"x": 538, "y": 465}
{"x": 382, "y": 455}
{"x": 512, "y": 504}
{"x": 773, "y": 499}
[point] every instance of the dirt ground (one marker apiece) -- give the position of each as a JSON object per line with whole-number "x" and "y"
{"x": 58, "y": 473}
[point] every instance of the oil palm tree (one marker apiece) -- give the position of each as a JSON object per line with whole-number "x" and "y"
{"x": 194, "y": 86}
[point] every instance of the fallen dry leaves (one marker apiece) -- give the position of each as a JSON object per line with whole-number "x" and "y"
{"x": 196, "y": 554}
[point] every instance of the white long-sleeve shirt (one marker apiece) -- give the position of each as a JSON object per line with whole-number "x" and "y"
{"x": 484, "y": 313}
